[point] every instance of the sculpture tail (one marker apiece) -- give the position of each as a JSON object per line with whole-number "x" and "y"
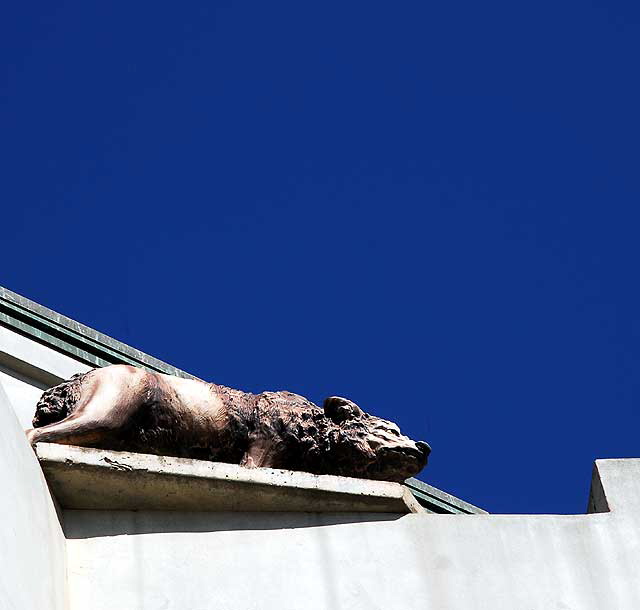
{"x": 58, "y": 402}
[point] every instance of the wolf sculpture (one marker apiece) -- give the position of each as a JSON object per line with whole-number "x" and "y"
{"x": 124, "y": 408}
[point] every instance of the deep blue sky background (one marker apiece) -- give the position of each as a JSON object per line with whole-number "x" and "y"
{"x": 429, "y": 207}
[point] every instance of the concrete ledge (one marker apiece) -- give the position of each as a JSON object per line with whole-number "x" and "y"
{"x": 82, "y": 478}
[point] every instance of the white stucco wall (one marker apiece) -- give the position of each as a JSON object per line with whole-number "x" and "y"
{"x": 170, "y": 561}
{"x": 32, "y": 545}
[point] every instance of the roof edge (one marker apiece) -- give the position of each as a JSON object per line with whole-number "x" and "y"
{"x": 72, "y": 338}
{"x": 439, "y": 501}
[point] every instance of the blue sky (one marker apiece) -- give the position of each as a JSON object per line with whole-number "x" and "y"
{"x": 430, "y": 208}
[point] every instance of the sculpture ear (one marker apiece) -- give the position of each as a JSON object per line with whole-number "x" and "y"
{"x": 339, "y": 409}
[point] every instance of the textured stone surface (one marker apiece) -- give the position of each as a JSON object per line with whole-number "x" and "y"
{"x": 124, "y": 408}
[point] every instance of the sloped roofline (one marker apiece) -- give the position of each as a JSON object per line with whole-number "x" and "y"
{"x": 96, "y": 349}
{"x": 72, "y": 338}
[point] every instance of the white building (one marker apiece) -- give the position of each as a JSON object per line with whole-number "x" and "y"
{"x": 90, "y": 529}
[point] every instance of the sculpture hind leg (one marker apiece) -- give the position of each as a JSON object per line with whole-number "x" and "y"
{"x": 77, "y": 429}
{"x": 107, "y": 400}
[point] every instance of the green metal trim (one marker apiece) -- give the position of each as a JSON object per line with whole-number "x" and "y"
{"x": 440, "y": 501}
{"x": 72, "y": 338}
{"x": 435, "y": 506}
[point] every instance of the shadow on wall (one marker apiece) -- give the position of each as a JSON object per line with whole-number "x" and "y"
{"x": 80, "y": 524}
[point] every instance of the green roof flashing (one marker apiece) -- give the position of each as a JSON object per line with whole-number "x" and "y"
{"x": 72, "y": 338}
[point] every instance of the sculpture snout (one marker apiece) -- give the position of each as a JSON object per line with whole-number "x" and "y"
{"x": 425, "y": 448}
